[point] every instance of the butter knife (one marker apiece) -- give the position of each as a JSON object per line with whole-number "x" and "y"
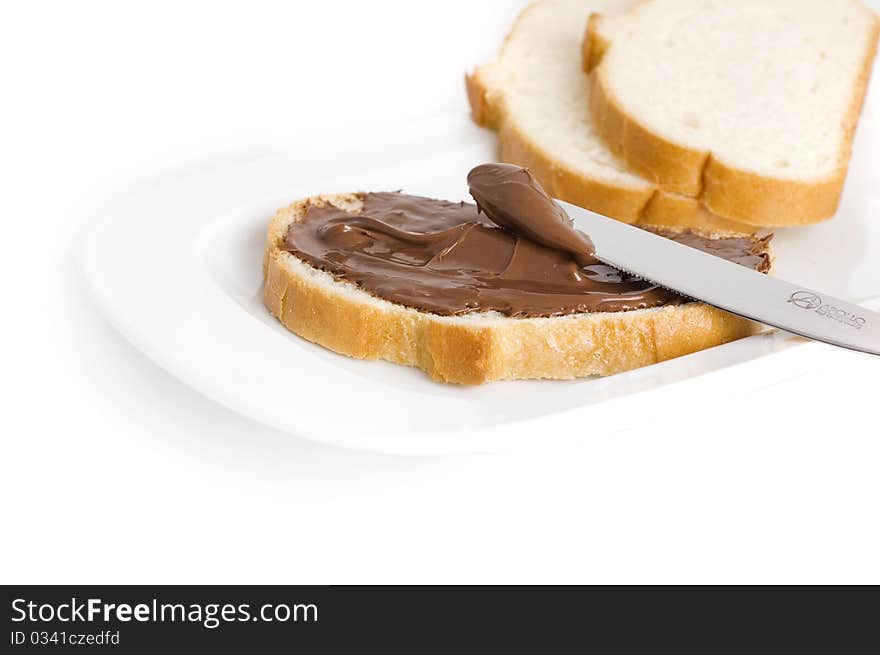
{"x": 728, "y": 286}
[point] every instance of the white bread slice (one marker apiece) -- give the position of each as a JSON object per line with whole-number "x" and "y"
{"x": 478, "y": 347}
{"x": 750, "y": 106}
{"x": 537, "y": 96}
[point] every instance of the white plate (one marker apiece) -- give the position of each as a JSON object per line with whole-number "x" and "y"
{"x": 177, "y": 270}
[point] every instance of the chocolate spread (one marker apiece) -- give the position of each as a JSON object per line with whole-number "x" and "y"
{"x": 446, "y": 258}
{"x": 511, "y": 198}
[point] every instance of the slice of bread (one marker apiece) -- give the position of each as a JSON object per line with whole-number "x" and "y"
{"x": 537, "y": 96}
{"x": 478, "y": 347}
{"x": 750, "y": 106}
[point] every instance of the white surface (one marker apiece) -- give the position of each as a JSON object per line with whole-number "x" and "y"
{"x": 112, "y": 471}
{"x": 176, "y": 269}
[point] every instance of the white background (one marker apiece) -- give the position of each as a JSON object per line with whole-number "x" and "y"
{"x": 114, "y": 472}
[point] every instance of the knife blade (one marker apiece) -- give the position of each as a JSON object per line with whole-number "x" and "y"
{"x": 728, "y": 286}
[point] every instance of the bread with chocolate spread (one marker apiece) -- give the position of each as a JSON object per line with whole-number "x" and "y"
{"x": 436, "y": 285}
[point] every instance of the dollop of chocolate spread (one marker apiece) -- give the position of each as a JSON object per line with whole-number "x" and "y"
{"x": 511, "y": 198}
{"x": 446, "y": 258}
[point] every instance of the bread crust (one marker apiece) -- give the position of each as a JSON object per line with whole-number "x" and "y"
{"x": 472, "y": 350}
{"x": 736, "y": 194}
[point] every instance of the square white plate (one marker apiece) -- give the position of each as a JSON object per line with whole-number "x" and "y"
{"x": 177, "y": 268}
